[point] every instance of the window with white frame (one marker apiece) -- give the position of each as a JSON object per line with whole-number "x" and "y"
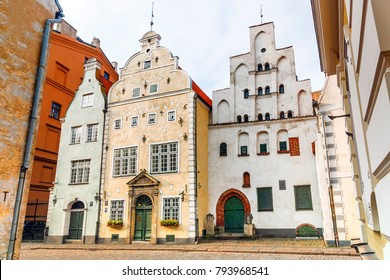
{"x": 171, "y": 116}
{"x": 134, "y": 121}
{"x": 153, "y": 88}
{"x": 117, "y": 124}
{"x": 164, "y": 158}
{"x": 136, "y": 92}
{"x": 171, "y": 209}
{"x": 87, "y": 100}
{"x": 125, "y": 161}
{"x": 152, "y": 118}
{"x": 92, "y": 132}
{"x": 117, "y": 210}
{"x": 75, "y": 136}
{"x": 80, "y": 171}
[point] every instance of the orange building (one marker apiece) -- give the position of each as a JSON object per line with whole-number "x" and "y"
{"x": 65, "y": 71}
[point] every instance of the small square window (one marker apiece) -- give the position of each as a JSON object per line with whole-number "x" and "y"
{"x": 152, "y": 118}
{"x": 117, "y": 123}
{"x": 244, "y": 150}
{"x": 153, "y": 88}
{"x": 87, "y": 100}
{"x": 106, "y": 75}
{"x": 136, "y": 92}
{"x": 263, "y": 148}
{"x": 283, "y": 146}
{"x": 147, "y": 64}
{"x": 134, "y": 121}
{"x": 171, "y": 116}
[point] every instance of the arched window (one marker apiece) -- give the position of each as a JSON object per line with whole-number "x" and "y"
{"x": 78, "y": 205}
{"x": 282, "y": 138}
{"x": 246, "y": 93}
{"x": 267, "y": 117}
{"x": 267, "y": 90}
{"x": 259, "y": 67}
{"x": 260, "y": 117}
{"x": 281, "y": 88}
{"x": 289, "y": 114}
{"x": 262, "y": 143}
{"x": 282, "y": 115}
{"x": 246, "y": 178}
{"x": 260, "y": 91}
{"x": 243, "y": 142}
{"x": 246, "y": 118}
{"x": 223, "y": 150}
{"x": 267, "y": 68}
{"x": 239, "y": 118}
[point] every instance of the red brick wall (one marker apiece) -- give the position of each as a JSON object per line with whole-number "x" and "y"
{"x": 222, "y": 201}
{"x": 294, "y": 146}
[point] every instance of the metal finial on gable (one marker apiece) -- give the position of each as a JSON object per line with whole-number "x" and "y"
{"x": 151, "y": 21}
{"x": 261, "y": 13}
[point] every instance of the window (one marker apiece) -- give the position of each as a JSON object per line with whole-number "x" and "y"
{"x": 263, "y": 148}
{"x": 75, "y": 137}
{"x": 243, "y": 143}
{"x": 118, "y": 124}
{"x": 246, "y": 118}
{"x": 289, "y": 114}
{"x": 283, "y": 146}
{"x": 239, "y": 118}
{"x": 259, "y": 67}
{"x": 136, "y": 92}
{"x": 171, "y": 208}
{"x": 106, "y": 75}
{"x": 87, "y": 100}
{"x": 79, "y": 172}
{"x": 267, "y": 90}
{"x": 303, "y": 198}
{"x": 262, "y": 143}
{"x": 244, "y": 150}
{"x": 164, "y": 158}
{"x": 282, "y": 185}
{"x": 282, "y": 115}
{"x": 125, "y": 161}
{"x": 260, "y": 91}
{"x": 260, "y": 117}
{"x": 92, "y": 132}
{"x": 153, "y": 88}
{"x": 246, "y": 178}
{"x": 117, "y": 210}
{"x": 281, "y": 88}
{"x": 152, "y": 118}
{"x": 267, "y": 67}
{"x": 246, "y": 93}
{"x": 264, "y": 199}
{"x": 171, "y": 116}
{"x": 134, "y": 121}
{"x": 147, "y": 64}
{"x": 55, "y": 110}
{"x": 223, "y": 150}
{"x": 267, "y": 117}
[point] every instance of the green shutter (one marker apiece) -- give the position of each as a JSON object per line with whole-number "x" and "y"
{"x": 303, "y": 198}
{"x": 264, "y": 199}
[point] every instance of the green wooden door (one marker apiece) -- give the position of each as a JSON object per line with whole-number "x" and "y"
{"x": 76, "y": 225}
{"x": 234, "y": 215}
{"x": 143, "y": 224}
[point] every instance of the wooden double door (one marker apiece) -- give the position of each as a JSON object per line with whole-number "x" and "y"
{"x": 234, "y": 215}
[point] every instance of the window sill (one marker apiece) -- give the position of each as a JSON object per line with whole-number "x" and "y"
{"x": 246, "y": 186}
{"x": 304, "y": 209}
{"x": 75, "y": 143}
{"x": 247, "y": 155}
{"x": 74, "y": 184}
{"x": 51, "y": 117}
{"x": 284, "y": 152}
{"x": 263, "y": 154}
{"x": 92, "y": 141}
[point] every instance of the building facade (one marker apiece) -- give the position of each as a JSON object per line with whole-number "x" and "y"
{"x": 354, "y": 44}
{"x": 155, "y": 162}
{"x": 65, "y": 71}
{"x": 262, "y": 166}
{"x": 74, "y": 201}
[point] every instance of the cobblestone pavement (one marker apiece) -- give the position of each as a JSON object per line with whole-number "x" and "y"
{"x": 283, "y": 249}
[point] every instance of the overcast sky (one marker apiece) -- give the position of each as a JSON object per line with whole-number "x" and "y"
{"x": 202, "y": 33}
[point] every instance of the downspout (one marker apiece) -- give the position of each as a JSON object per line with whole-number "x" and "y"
{"x": 32, "y": 128}
{"x": 196, "y": 171}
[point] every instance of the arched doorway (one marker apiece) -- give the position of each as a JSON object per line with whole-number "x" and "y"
{"x": 76, "y": 220}
{"x": 234, "y": 215}
{"x": 143, "y": 218}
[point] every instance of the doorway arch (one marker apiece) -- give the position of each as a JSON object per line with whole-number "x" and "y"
{"x": 143, "y": 218}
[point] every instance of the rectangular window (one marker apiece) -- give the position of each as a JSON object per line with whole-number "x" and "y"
{"x": 87, "y": 100}
{"x": 147, "y": 64}
{"x": 244, "y": 150}
{"x": 283, "y": 146}
{"x": 164, "y": 158}
{"x": 125, "y": 161}
{"x": 263, "y": 148}
{"x": 106, "y": 75}
{"x": 118, "y": 124}
{"x": 136, "y": 92}
{"x": 152, "y": 118}
{"x": 75, "y": 137}
{"x": 171, "y": 116}
{"x": 282, "y": 185}
{"x": 117, "y": 210}
{"x": 80, "y": 171}
{"x": 134, "y": 121}
{"x": 92, "y": 132}
{"x": 303, "y": 198}
{"x": 264, "y": 199}
{"x": 171, "y": 208}
{"x": 153, "y": 88}
{"x": 55, "y": 110}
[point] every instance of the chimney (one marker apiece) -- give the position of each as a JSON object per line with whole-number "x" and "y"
{"x": 65, "y": 28}
{"x": 96, "y": 42}
{"x": 115, "y": 65}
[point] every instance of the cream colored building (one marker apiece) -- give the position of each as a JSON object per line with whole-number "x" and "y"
{"x": 156, "y": 151}
{"x": 354, "y": 44}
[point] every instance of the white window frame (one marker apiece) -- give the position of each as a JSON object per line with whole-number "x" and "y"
{"x": 78, "y": 169}
{"x": 150, "y": 88}
{"x": 139, "y": 92}
{"x": 155, "y": 118}
{"x": 120, "y": 123}
{"x": 131, "y": 121}
{"x": 174, "y": 115}
{"x": 163, "y": 207}
{"x": 94, "y": 132}
{"x": 168, "y": 158}
{"x": 87, "y": 100}
{"x": 75, "y": 135}
{"x": 129, "y": 158}
{"x": 110, "y": 217}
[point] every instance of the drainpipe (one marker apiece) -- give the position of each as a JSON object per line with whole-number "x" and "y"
{"x": 196, "y": 171}
{"x": 31, "y": 128}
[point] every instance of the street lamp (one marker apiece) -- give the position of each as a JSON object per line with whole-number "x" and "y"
{"x": 341, "y": 116}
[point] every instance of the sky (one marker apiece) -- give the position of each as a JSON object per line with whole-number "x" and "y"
{"x": 202, "y": 33}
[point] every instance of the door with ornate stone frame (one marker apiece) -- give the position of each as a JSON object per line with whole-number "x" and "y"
{"x": 142, "y": 188}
